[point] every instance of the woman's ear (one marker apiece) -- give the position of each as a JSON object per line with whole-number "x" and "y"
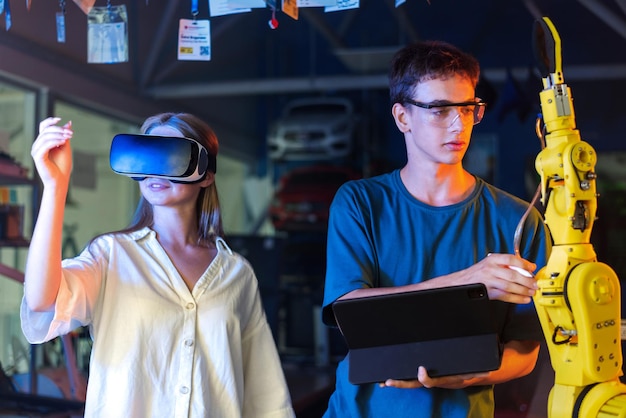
{"x": 401, "y": 117}
{"x": 209, "y": 179}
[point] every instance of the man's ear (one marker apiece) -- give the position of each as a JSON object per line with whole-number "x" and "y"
{"x": 401, "y": 117}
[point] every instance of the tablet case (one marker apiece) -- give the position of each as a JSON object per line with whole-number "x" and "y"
{"x": 449, "y": 331}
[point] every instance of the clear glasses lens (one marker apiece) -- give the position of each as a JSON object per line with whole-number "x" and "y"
{"x": 445, "y": 116}
{"x": 479, "y": 112}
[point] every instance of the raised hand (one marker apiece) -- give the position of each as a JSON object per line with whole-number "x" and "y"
{"x": 52, "y": 153}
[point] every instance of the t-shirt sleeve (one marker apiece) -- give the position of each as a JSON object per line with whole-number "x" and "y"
{"x": 350, "y": 263}
{"x": 517, "y": 322}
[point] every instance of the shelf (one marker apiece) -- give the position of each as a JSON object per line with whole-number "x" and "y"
{"x": 14, "y": 243}
{"x": 7, "y": 180}
{"x": 11, "y": 273}
{"x": 12, "y": 174}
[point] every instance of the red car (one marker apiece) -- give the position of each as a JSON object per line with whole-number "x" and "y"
{"x": 303, "y": 197}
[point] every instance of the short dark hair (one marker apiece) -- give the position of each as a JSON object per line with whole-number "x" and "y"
{"x": 427, "y": 60}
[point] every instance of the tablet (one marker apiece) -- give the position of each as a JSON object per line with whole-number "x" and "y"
{"x": 448, "y": 330}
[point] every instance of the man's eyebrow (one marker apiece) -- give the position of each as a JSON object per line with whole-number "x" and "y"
{"x": 439, "y": 102}
{"x": 443, "y": 102}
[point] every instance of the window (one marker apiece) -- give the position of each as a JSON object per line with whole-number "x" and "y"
{"x": 17, "y": 116}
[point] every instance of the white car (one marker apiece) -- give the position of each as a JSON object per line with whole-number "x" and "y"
{"x": 319, "y": 128}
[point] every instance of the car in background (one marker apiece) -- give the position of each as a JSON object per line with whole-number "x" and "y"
{"x": 304, "y": 194}
{"x": 317, "y": 128}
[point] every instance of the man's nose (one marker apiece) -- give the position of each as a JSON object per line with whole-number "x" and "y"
{"x": 457, "y": 118}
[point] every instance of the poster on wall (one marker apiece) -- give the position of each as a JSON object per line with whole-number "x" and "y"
{"x": 343, "y": 5}
{"x": 107, "y": 35}
{"x": 194, "y": 40}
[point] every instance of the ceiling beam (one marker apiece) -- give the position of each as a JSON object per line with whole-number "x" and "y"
{"x": 355, "y": 82}
{"x": 269, "y": 86}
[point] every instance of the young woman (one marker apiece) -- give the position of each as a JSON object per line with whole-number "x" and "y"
{"x": 175, "y": 316}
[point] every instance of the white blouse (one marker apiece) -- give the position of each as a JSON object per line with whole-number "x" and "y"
{"x": 160, "y": 350}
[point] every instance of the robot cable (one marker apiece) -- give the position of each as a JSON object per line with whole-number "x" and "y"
{"x": 520, "y": 226}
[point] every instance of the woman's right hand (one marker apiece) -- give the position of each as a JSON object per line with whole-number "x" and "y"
{"x": 52, "y": 153}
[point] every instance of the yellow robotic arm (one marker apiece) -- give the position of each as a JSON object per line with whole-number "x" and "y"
{"x": 578, "y": 301}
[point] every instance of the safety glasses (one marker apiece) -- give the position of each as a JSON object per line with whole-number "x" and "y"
{"x": 444, "y": 115}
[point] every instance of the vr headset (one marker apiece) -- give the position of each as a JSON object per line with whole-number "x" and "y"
{"x": 181, "y": 160}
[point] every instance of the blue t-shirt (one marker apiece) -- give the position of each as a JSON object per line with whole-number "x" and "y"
{"x": 381, "y": 236}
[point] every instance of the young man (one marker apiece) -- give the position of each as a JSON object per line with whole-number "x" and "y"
{"x": 433, "y": 224}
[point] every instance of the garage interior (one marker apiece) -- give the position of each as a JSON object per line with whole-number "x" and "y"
{"x": 256, "y": 72}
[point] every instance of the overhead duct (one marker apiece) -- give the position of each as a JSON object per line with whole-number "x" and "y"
{"x": 354, "y": 82}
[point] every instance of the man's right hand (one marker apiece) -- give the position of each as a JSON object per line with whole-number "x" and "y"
{"x": 501, "y": 275}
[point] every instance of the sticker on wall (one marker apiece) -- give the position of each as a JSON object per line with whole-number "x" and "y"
{"x": 107, "y": 35}
{"x": 194, "y": 40}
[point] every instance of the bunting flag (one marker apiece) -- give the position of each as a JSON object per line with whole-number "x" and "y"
{"x": 290, "y": 8}
{"x": 85, "y": 5}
